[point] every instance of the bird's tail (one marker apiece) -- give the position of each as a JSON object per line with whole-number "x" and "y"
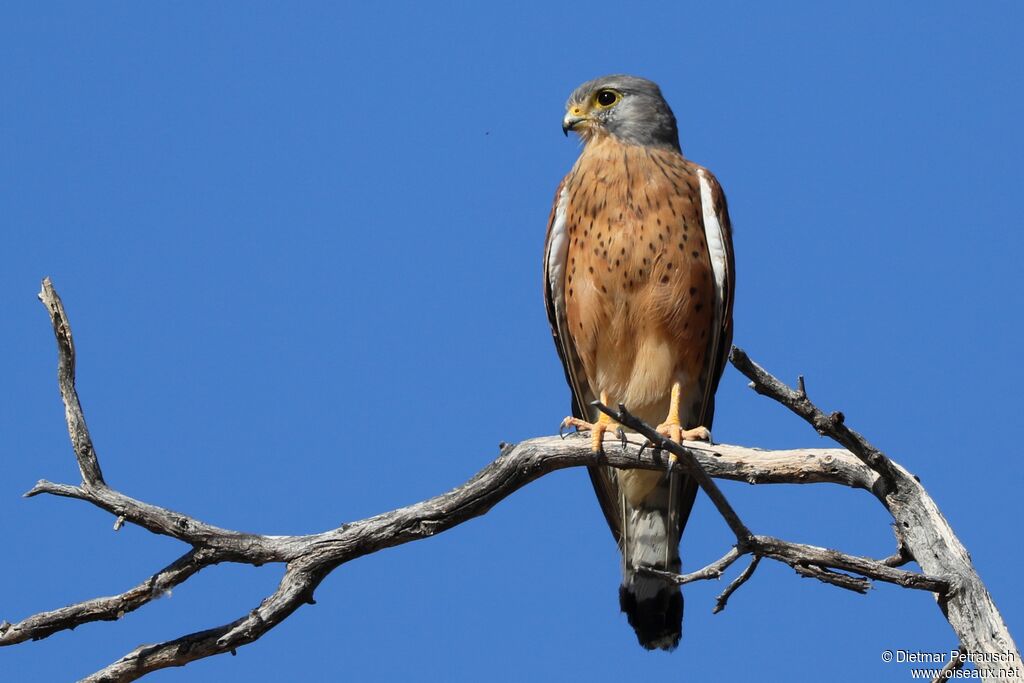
{"x": 653, "y": 605}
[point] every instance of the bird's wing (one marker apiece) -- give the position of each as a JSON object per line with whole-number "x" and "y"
{"x": 718, "y": 237}
{"x": 555, "y": 251}
{"x": 718, "y": 233}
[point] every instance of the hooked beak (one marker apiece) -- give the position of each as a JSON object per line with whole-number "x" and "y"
{"x": 573, "y": 118}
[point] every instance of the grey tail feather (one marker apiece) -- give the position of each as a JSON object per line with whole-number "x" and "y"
{"x": 653, "y": 606}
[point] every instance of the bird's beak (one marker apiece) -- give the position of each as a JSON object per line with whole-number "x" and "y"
{"x": 573, "y": 118}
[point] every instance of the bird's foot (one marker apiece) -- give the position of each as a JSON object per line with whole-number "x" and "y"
{"x": 671, "y": 429}
{"x": 597, "y": 430}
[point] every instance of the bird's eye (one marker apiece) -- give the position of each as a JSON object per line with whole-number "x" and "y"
{"x": 606, "y": 98}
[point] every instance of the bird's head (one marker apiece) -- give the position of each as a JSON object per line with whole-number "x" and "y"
{"x": 626, "y": 107}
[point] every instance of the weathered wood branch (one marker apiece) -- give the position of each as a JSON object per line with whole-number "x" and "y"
{"x": 723, "y": 598}
{"x": 45, "y": 624}
{"x": 88, "y": 463}
{"x": 295, "y": 589}
{"x": 800, "y": 556}
{"x": 310, "y": 558}
{"x": 832, "y": 425}
{"x": 922, "y": 532}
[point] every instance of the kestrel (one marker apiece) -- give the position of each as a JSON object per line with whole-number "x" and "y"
{"x": 638, "y": 283}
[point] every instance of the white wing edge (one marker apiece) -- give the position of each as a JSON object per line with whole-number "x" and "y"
{"x": 716, "y": 242}
{"x": 557, "y": 251}
{"x": 715, "y": 238}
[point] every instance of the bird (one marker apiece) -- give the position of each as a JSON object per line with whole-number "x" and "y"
{"x": 639, "y": 281}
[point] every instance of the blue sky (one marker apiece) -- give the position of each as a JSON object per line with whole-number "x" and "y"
{"x": 300, "y": 248}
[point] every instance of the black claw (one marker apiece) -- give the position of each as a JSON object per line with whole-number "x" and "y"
{"x": 622, "y": 437}
{"x": 670, "y": 464}
{"x": 561, "y": 432}
{"x": 644, "y": 445}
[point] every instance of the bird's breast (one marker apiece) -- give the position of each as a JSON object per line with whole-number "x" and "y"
{"x": 639, "y": 288}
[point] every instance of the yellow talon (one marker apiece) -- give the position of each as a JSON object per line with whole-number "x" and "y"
{"x": 597, "y": 429}
{"x": 672, "y": 428}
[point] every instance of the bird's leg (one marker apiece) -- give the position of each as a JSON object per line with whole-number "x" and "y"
{"x": 596, "y": 429}
{"x": 673, "y": 428}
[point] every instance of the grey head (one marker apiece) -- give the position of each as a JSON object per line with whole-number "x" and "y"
{"x": 629, "y": 108}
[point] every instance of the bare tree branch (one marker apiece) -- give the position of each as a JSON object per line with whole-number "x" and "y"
{"x": 722, "y": 599}
{"x": 310, "y": 558}
{"x": 798, "y": 554}
{"x": 107, "y": 609}
{"x": 248, "y": 548}
{"x": 77, "y": 429}
{"x": 832, "y": 425}
{"x": 902, "y": 555}
{"x": 922, "y": 532}
{"x": 295, "y": 589}
{"x": 856, "y": 584}
{"x": 711, "y": 571}
{"x": 810, "y": 561}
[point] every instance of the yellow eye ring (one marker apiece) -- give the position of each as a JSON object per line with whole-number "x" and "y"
{"x": 607, "y": 98}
